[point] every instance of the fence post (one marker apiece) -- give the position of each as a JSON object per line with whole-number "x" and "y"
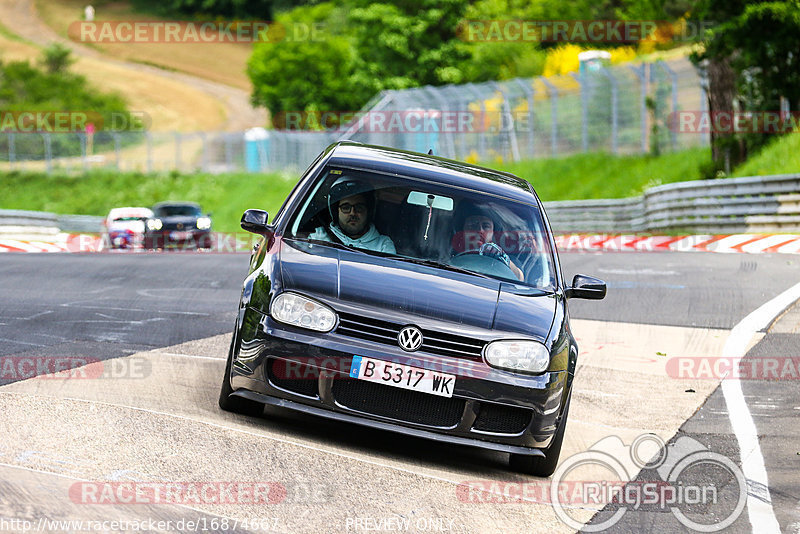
{"x": 177, "y": 151}
{"x": 228, "y": 152}
{"x": 149, "y": 137}
{"x": 584, "y": 85}
{"x": 529, "y": 94}
{"x": 12, "y": 151}
{"x": 642, "y": 103}
{"x": 614, "y": 110}
{"x": 445, "y": 139}
{"x": 84, "y": 157}
{"x": 511, "y": 133}
{"x": 673, "y": 135}
{"x": 454, "y": 99}
{"x": 481, "y": 133}
{"x": 552, "y": 91}
{"x": 204, "y": 156}
{"x": 116, "y": 149}
{"x": 48, "y": 152}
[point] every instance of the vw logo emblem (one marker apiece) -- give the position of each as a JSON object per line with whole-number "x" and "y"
{"x": 180, "y": 226}
{"x": 409, "y": 338}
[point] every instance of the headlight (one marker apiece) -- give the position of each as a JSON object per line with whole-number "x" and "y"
{"x": 296, "y": 310}
{"x": 154, "y": 224}
{"x": 525, "y": 356}
{"x": 203, "y": 223}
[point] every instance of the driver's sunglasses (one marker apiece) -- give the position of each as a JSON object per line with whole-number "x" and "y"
{"x": 346, "y": 208}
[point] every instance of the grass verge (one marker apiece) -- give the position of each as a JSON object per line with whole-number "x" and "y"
{"x": 600, "y": 175}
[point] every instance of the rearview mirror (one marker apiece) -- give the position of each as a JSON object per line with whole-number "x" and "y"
{"x": 586, "y": 287}
{"x": 255, "y": 221}
{"x": 438, "y": 202}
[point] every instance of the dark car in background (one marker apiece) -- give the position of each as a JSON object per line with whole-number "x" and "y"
{"x": 448, "y": 320}
{"x": 178, "y": 225}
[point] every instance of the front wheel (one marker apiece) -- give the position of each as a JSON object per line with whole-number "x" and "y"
{"x": 539, "y": 466}
{"x": 235, "y": 404}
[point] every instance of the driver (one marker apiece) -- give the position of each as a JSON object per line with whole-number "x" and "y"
{"x": 351, "y": 205}
{"x": 477, "y": 233}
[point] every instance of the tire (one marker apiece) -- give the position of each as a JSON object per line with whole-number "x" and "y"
{"x": 235, "y": 404}
{"x": 204, "y": 242}
{"x": 539, "y": 466}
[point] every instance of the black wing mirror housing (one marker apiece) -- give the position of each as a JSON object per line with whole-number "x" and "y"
{"x": 586, "y": 287}
{"x": 255, "y": 221}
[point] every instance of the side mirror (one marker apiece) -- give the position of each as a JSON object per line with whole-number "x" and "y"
{"x": 255, "y": 221}
{"x": 586, "y": 287}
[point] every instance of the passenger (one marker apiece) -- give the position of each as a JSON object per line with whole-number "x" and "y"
{"x": 351, "y": 205}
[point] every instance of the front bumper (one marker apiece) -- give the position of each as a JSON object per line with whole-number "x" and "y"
{"x": 179, "y": 238}
{"x": 309, "y": 372}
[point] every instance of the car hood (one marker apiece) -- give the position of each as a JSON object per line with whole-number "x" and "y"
{"x": 136, "y": 227}
{"x": 407, "y": 290}
{"x": 185, "y": 219}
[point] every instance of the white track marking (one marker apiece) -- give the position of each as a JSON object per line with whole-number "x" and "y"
{"x": 74, "y": 305}
{"x": 759, "y": 505}
{"x": 220, "y": 359}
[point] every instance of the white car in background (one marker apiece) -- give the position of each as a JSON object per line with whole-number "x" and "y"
{"x": 125, "y": 226}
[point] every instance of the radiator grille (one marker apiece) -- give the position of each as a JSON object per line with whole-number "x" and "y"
{"x": 502, "y": 419}
{"x": 385, "y": 332}
{"x": 398, "y": 404}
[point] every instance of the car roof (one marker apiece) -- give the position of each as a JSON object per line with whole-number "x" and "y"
{"x": 434, "y": 168}
{"x": 176, "y": 203}
{"x": 130, "y": 211}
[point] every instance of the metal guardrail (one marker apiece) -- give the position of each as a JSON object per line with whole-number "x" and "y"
{"x": 41, "y": 223}
{"x": 750, "y": 204}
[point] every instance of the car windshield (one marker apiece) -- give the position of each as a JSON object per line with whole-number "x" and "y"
{"x": 172, "y": 211}
{"x": 127, "y": 218}
{"x": 425, "y": 222}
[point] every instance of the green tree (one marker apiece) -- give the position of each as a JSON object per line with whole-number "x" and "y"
{"x": 56, "y": 58}
{"x": 752, "y": 60}
{"x": 359, "y": 50}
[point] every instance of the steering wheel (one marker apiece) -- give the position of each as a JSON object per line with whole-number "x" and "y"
{"x": 489, "y": 250}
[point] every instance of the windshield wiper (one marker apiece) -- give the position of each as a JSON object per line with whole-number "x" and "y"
{"x": 440, "y": 265}
{"x": 333, "y": 244}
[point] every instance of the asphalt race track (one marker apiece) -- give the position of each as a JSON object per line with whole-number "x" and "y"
{"x": 154, "y": 330}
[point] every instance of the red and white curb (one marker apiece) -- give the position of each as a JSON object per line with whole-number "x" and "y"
{"x": 87, "y": 243}
{"x": 746, "y": 243}
{"x": 19, "y": 245}
{"x": 731, "y": 243}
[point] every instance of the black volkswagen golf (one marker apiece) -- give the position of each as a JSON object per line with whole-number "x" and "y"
{"x": 410, "y": 293}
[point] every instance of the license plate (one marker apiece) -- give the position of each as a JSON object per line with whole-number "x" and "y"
{"x": 180, "y": 235}
{"x": 402, "y": 376}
